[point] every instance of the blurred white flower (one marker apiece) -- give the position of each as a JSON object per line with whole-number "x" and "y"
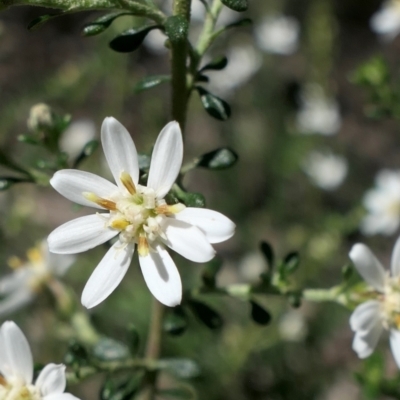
{"x": 75, "y": 137}
{"x": 138, "y": 215}
{"x": 29, "y": 277}
{"x": 382, "y": 204}
{"x": 251, "y": 266}
{"x": 382, "y": 311}
{"x": 16, "y": 370}
{"x": 326, "y": 170}
{"x": 386, "y": 21}
{"x": 318, "y": 114}
{"x": 292, "y": 326}
{"x": 278, "y": 34}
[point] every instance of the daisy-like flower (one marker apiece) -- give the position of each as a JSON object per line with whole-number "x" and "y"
{"x": 382, "y": 311}
{"x": 138, "y": 215}
{"x": 386, "y": 21}
{"x": 16, "y": 370}
{"x": 383, "y": 205}
{"x": 30, "y": 276}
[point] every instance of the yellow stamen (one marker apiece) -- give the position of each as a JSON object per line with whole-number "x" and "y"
{"x": 170, "y": 209}
{"x": 143, "y": 246}
{"x": 397, "y": 321}
{"x": 119, "y": 224}
{"x": 108, "y": 204}
{"x": 127, "y": 181}
{"x": 14, "y": 262}
{"x": 34, "y": 255}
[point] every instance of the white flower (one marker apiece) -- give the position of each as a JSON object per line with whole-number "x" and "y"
{"x": 16, "y": 370}
{"x": 383, "y": 205}
{"x": 326, "y": 170}
{"x": 139, "y": 216}
{"x": 278, "y": 34}
{"x": 386, "y": 21}
{"x": 318, "y": 114}
{"x": 21, "y": 287}
{"x": 382, "y": 311}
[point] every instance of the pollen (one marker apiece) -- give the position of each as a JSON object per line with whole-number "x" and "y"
{"x": 119, "y": 224}
{"x": 170, "y": 209}
{"x": 127, "y": 181}
{"x": 108, "y": 204}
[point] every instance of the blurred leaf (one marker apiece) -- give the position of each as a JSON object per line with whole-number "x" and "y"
{"x": 123, "y": 389}
{"x": 208, "y": 316}
{"x": 144, "y": 162}
{"x": 210, "y": 271}
{"x": 259, "y": 314}
{"x": 291, "y": 262}
{"x": 218, "y": 159}
{"x": 76, "y": 354}
{"x": 268, "y": 253}
{"x": 175, "y": 322}
{"x": 191, "y": 199}
{"x": 374, "y": 72}
{"x": 215, "y": 106}
{"x": 134, "y": 339}
{"x": 183, "y": 368}
{"x": 202, "y": 78}
{"x": 131, "y": 39}
{"x": 239, "y": 23}
{"x": 101, "y": 24}
{"x": 107, "y": 349}
{"x": 216, "y": 64}
{"x": 176, "y": 28}
{"x": 151, "y": 81}
{"x": 9, "y": 163}
{"x": 236, "y": 5}
{"x": 7, "y": 182}
{"x": 347, "y": 272}
{"x": 176, "y": 393}
{"x": 87, "y": 151}
{"x": 294, "y": 299}
{"x": 39, "y": 21}
{"x": 29, "y": 139}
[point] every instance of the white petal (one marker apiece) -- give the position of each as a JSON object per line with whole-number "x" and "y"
{"x": 16, "y": 357}
{"x": 108, "y": 274}
{"x": 71, "y": 183}
{"x": 80, "y": 234}
{"x": 364, "y": 343}
{"x": 368, "y": 266}
{"x": 213, "y": 224}
{"x": 15, "y": 301}
{"x": 162, "y": 277}
{"x": 365, "y": 316}
{"x": 395, "y": 345}
{"x": 120, "y": 151}
{"x": 51, "y": 379}
{"x": 395, "y": 261}
{"x": 188, "y": 240}
{"x": 166, "y": 160}
{"x": 12, "y": 282}
{"x": 60, "y": 396}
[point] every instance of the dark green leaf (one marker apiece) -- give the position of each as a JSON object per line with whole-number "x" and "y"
{"x": 183, "y": 368}
{"x": 294, "y": 299}
{"x": 347, "y": 272}
{"x": 150, "y": 82}
{"x": 216, "y": 64}
{"x": 259, "y": 314}
{"x": 202, "y": 78}
{"x": 107, "y": 349}
{"x": 76, "y": 354}
{"x": 39, "y": 21}
{"x": 175, "y": 322}
{"x": 210, "y": 272}
{"x": 208, "y": 316}
{"x": 28, "y": 139}
{"x": 87, "y": 151}
{"x": 176, "y": 393}
{"x": 215, "y": 106}
{"x": 122, "y": 389}
{"x": 291, "y": 261}
{"x": 6, "y": 183}
{"x": 176, "y": 29}
{"x": 236, "y": 5}
{"x": 133, "y": 338}
{"x": 193, "y": 200}
{"x": 101, "y": 24}
{"x": 240, "y": 23}
{"x": 268, "y": 253}
{"x": 218, "y": 159}
{"x": 131, "y": 39}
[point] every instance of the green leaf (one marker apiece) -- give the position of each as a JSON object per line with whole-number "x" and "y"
{"x": 183, "y": 368}
{"x": 208, "y": 316}
{"x": 291, "y": 262}
{"x": 7, "y": 182}
{"x": 122, "y": 389}
{"x": 87, "y": 151}
{"x": 107, "y": 349}
{"x": 210, "y": 272}
{"x": 76, "y": 354}
{"x": 131, "y": 39}
{"x": 175, "y": 322}
{"x": 202, "y": 78}
{"x": 101, "y": 24}
{"x": 347, "y": 272}
{"x": 236, "y": 5}
{"x": 294, "y": 299}
{"x": 239, "y": 23}
{"x": 134, "y": 339}
{"x": 39, "y": 21}
{"x": 215, "y": 106}
{"x": 218, "y": 159}
{"x": 216, "y": 64}
{"x": 151, "y": 81}
{"x": 176, "y": 28}
{"x": 268, "y": 253}
{"x": 29, "y": 139}
{"x": 259, "y": 314}
{"x": 193, "y": 200}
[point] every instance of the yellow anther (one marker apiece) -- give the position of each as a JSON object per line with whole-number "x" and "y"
{"x": 119, "y": 224}
{"x": 34, "y": 255}
{"x": 3, "y": 382}
{"x": 108, "y": 204}
{"x": 143, "y": 246}
{"x": 397, "y": 321}
{"x": 14, "y": 262}
{"x": 127, "y": 181}
{"x": 170, "y": 209}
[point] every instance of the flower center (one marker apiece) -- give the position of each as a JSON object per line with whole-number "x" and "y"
{"x": 391, "y": 303}
{"x": 138, "y": 214}
{"x": 18, "y": 391}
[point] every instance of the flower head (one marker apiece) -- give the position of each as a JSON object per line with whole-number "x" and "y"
{"x": 138, "y": 215}
{"x": 382, "y": 311}
{"x": 16, "y": 370}
{"x": 30, "y": 276}
{"x": 386, "y": 21}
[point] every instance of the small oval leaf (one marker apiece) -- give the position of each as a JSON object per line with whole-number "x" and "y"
{"x": 218, "y": 159}
{"x": 215, "y": 106}
{"x": 151, "y": 81}
{"x": 131, "y": 39}
{"x": 291, "y": 261}
{"x": 236, "y": 5}
{"x": 101, "y": 24}
{"x": 175, "y": 322}
{"x": 268, "y": 253}
{"x": 107, "y": 349}
{"x": 208, "y": 316}
{"x": 259, "y": 315}
{"x": 216, "y": 64}
{"x": 39, "y": 21}
{"x": 183, "y": 368}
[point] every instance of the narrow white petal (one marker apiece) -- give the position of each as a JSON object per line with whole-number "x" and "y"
{"x": 365, "y": 316}
{"x": 364, "y": 343}
{"x": 60, "y": 396}
{"x": 12, "y": 282}
{"x": 368, "y": 266}
{"x": 56, "y": 263}
{"x": 120, "y": 151}
{"x": 15, "y": 301}
{"x": 162, "y": 277}
{"x": 166, "y": 160}
{"x": 395, "y": 261}
{"x": 395, "y": 345}
{"x": 108, "y": 274}
{"x": 71, "y": 183}
{"x": 80, "y": 234}
{"x": 213, "y": 224}
{"x": 188, "y": 240}
{"x": 16, "y": 354}
{"x": 51, "y": 379}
